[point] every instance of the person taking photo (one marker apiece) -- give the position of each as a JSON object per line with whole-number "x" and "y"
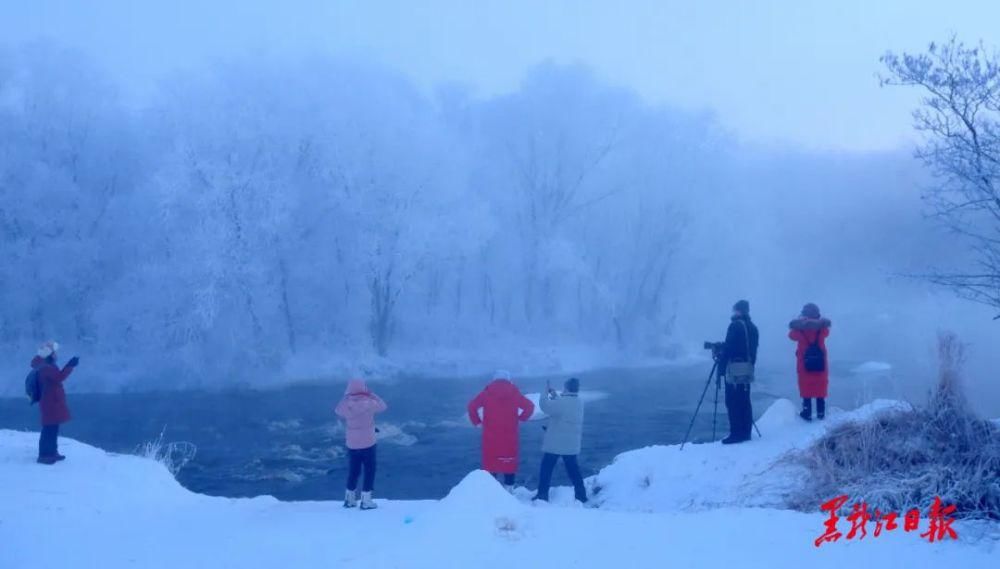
{"x": 736, "y": 369}
{"x": 52, "y": 399}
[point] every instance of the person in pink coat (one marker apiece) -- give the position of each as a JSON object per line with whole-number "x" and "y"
{"x": 358, "y": 409}
{"x": 503, "y": 408}
{"x": 810, "y": 331}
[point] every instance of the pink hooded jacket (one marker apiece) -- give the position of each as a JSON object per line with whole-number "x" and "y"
{"x": 358, "y": 409}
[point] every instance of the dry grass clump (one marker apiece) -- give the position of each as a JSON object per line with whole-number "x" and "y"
{"x": 903, "y": 459}
{"x": 174, "y": 455}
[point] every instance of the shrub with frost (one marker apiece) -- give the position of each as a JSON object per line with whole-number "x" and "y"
{"x": 173, "y": 455}
{"x": 903, "y": 459}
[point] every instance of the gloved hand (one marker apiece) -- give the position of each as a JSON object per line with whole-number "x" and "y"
{"x": 75, "y": 361}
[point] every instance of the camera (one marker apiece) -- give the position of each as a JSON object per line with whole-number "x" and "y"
{"x": 716, "y": 347}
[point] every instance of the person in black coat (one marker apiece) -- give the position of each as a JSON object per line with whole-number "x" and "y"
{"x": 736, "y": 368}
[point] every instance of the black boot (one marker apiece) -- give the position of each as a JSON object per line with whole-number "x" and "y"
{"x": 820, "y": 408}
{"x": 734, "y": 439}
{"x": 806, "y": 412}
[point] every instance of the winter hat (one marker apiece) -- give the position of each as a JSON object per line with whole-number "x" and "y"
{"x": 501, "y": 374}
{"x": 573, "y": 385}
{"x": 356, "y": 386}
{"x": 47, "y": 349}
{"x": 742, "y": 306}
{"x": 810, "y": 311}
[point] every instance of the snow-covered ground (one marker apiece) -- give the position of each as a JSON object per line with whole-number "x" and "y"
{"x": 705, "y": 506}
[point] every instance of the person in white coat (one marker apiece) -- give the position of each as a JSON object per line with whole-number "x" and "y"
{"x": 563, "y": 436}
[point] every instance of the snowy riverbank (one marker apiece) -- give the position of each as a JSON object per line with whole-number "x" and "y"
{"x": 707, "y": 506}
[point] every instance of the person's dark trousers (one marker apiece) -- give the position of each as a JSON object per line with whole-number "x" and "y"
{"x": 48, "y": 441}
{"x": 820, "y": 406}
{"x": 739, "y": 410}
{"x": 361, "y": 458}
{"x": 731, "y": 410}
{"x": 508, "y": 478}
{"x": 572, "y": 469}
{"x": 747, "y": 407}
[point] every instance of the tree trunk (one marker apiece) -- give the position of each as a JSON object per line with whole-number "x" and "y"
{"x": 285, "y": 305}
{"x": 380, "y": 325}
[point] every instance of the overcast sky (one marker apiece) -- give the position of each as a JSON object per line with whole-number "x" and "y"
{"x": 777, "y": 73}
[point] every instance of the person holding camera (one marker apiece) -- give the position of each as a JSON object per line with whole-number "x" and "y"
{"x": 736, "y": 368}
{"x": 52, "y": 403}
{"x": 562, "y": 439}
{"x": 810, "y": 331}
{"x": 358, "y": 408}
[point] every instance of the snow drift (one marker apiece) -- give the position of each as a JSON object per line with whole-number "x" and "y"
{"x": 703, "y": 476}
{"x": 658, "y": 507}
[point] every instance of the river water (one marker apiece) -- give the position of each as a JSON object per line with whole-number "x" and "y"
{"x": 288, "y": 443}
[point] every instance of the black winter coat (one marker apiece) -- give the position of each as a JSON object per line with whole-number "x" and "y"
{"x": 736, "y": 343}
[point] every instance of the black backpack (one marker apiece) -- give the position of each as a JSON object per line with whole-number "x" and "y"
{"x": 33, "y": 387}
{"x": 815, "y": 357}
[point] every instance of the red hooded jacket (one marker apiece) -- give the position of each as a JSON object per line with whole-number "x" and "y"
{"x": 53, "y": 402}
{"x": 503, "y": 406}
{"x": 805, "y": 331}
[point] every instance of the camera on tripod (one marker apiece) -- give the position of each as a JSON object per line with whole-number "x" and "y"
{"x": 716, "y": 347}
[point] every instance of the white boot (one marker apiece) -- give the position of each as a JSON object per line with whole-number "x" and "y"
{"x": 351, "y": 499}
{"x": 366, "y": 501}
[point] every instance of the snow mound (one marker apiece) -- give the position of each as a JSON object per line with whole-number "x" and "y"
{"x": 478, "y": 513}
{"x": 780, "y": 415}
{"x": 478, "y": 492}
{"x": 88, "y": 472}
{"x": 712, "y": 475}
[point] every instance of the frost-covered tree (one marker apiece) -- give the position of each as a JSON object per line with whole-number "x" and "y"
{"x": 960, "y": 120}
{"x": 260, "y": 212}
{"x": 394, "y": 172}
{"x": 553, "y": 139}
{"x": 592, "y": 183}
{"x": 67, "y": 156}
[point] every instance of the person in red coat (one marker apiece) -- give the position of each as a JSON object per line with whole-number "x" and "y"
{"x": 503, "y": 407}
{"x": 52, "y": 404}
{"x": 810, "y": 330}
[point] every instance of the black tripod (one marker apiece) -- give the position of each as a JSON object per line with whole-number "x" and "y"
{"x": 715, "y": 413}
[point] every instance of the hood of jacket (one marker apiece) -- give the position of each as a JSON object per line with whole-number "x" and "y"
{"x": 502, "y": 389}
{"x": 356, "y": 387}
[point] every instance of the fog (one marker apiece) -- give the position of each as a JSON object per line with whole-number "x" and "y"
{"x": 243, "y": 204}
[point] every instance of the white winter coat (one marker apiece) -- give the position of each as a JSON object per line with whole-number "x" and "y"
{"x": 565, "y": 428}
